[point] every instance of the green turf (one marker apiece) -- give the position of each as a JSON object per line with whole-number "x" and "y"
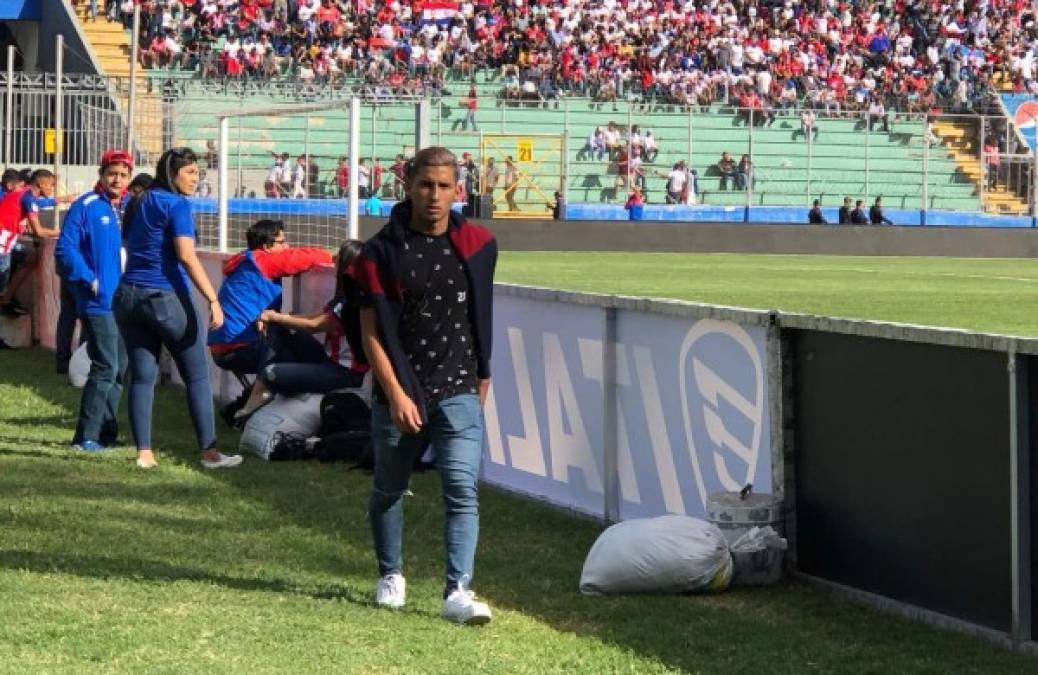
{"x": 108, "y": 569}
{"x": 999, "y": 296}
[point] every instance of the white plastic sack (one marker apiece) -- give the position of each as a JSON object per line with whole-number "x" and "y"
{"x": 296, "y": 415}
{"x": 758, "y": 557}
{"x": 669, "y": 554}
{"x": 79, "y": 367}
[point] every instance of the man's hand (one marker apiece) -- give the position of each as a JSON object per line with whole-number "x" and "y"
{"x": 405, "y": 415}
{"x": 95, "y": 287}
{"x": 268, "y": 316}
{"x": 484, "y": 389}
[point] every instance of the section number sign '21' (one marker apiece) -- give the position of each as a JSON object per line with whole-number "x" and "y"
{"x": 691, "y": 417}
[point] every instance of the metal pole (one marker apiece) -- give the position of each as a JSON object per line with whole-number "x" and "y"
{"x": 59, "y": 104}
{"x": 984, "y": 177}
{"x": 306, "y": 151}
{"x": 222, "y": 198}
{"x": 630, "y": 146}
{"x": 749, "y": 174}
{"x": 1020, "y": 498}
{"x": 926, "y": 166}
{"x": 810, "y": 151}
{"x": 1034, "y": 188}
{"x": 868, "y": 146}
{"x": 239, "y": 190}
{"x": 374, "y": 142}
{"x": 131, "y": 112}
{"x": 610, "y": 449}
{"x": 9, "y": 108}
{"x": 354, "y": 207}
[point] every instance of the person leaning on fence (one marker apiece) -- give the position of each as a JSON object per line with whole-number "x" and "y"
{"x": 845, "y": 212}
{"x": 876, "y": 216}
{"x": 252, "y": 284}
{"x": 89, "y": 262}
{"x": 858, "y": 216}
{"x": 815, "y": 215}
{"x": 426, "y": 296}
{"x": 153, "y": 305}
{"x": 20, "y": 214}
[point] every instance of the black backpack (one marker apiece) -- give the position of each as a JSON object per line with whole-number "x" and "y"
{"x": 344, "y": 411}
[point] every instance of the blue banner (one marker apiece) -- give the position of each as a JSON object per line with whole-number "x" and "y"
{"x": 20, "y": 10}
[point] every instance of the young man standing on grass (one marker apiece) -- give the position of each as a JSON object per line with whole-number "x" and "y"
{"x": 88, "y": 260}
{"x": 20, "y": 215}
{"x": 426, "y": 283}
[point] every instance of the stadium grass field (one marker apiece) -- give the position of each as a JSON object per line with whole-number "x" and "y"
{"x": 987, "y": 295}
{"x": 267, "y": 569}
{"x": 107, "y": 569}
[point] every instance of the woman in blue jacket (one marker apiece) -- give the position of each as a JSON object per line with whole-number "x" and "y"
{"x": 88, "y": 260}
{"x": 153, "y": 304}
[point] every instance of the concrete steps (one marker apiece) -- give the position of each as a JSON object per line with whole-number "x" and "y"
{"x": 111, "y": 45}
{"x": 960, "y": 141}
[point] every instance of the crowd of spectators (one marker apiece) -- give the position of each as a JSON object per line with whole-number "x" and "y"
{"x": 908, "y": 55}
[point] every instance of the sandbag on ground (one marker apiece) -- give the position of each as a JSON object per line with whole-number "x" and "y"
{"x": 669, "y": 554}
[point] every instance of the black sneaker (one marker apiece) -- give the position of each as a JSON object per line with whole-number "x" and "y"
{"x": 4, "y": 345}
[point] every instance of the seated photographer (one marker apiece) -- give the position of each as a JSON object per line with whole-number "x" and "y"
{"x": 251, "y": 285}
{"x": 295, "y": 362}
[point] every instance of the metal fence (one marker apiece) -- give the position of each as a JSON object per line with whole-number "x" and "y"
{"x": 966, "y": 163}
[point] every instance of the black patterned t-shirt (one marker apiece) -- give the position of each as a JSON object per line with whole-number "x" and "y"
{"x": 435, "y": 330}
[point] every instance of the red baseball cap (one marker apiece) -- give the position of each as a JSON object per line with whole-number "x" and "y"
{"x": 116, "y": 157}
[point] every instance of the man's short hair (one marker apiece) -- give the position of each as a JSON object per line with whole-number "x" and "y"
{"x": 263, "y": 233}
{"x": 41, "y": 174}
{"x": 10, "y": 176}
{"x": 859, "y": 202}
{"x": 432, "y": 156}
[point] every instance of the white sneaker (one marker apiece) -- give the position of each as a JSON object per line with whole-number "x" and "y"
{"x": 225, "y": 462}
{"x": 462, "y": 607}
{"x": 391, "y": 591}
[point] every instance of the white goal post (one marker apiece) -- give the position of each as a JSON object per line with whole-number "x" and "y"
{"x": 223, "y": 187}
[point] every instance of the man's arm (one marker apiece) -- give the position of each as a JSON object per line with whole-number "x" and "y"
{"x": 291, "y": 261}
{"x": 402, "y": 410}
{"x": 71, "y": 263}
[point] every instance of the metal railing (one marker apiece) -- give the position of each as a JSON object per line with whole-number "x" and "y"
{"x": 913, "y": 161}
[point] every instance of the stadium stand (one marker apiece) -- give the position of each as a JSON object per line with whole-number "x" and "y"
{"x": 679, "y": 69}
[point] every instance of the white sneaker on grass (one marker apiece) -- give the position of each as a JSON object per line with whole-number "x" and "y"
{"x": 462, "y": 607}
{"x": 222, "y": 461}
{"x": 391, "y": 591}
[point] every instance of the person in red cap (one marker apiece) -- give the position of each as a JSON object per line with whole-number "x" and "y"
{"x": 88, "y": 260}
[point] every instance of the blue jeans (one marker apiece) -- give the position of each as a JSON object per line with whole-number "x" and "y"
{"x": 150, "y": 318}
{"x": 455, "y": 431}
{"x": 104, "y": 385}
{"x": 296, "y": 363}
{"x": 66, "y": 327}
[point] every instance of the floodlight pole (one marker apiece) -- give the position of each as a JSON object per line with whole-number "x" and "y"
{"x": 353, "y": 206}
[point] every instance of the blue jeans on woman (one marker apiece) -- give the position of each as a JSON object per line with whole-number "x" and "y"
{"x": 150, "y": 318}
{"x": 104, "y": 386}
{"x": 454, "y": 429}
